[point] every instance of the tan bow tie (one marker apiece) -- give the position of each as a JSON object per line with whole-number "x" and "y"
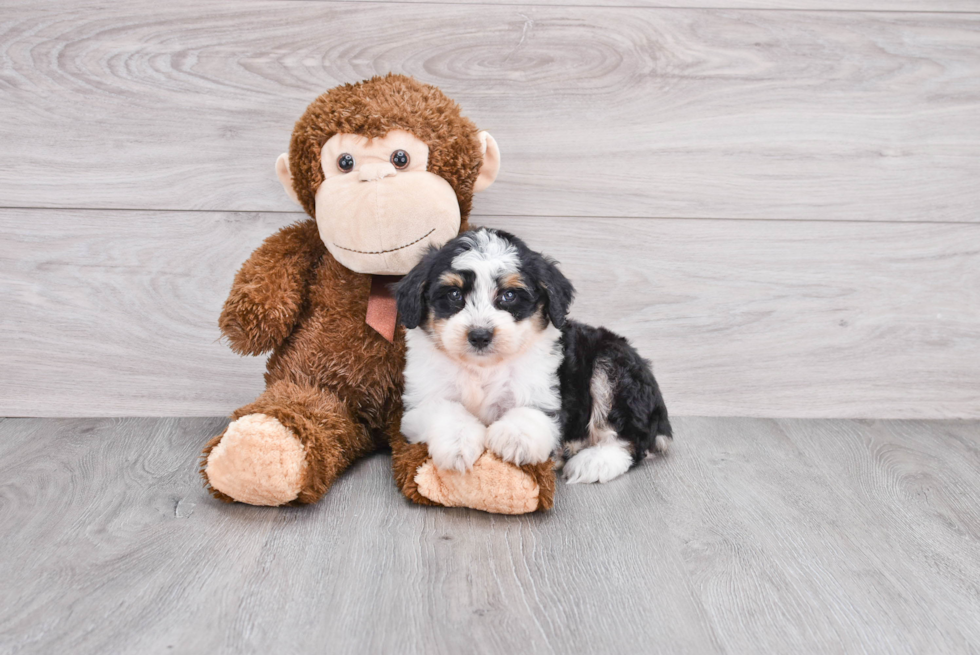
{"x": 382, "y": 310}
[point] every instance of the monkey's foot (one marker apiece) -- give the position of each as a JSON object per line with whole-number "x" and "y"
{"x": 492, "y": 485}
{"x": 258, "y": 461}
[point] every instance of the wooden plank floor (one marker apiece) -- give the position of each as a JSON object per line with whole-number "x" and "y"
{"x": 753, "y": 536}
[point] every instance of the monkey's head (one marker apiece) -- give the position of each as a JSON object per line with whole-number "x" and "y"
{"x": 387, "y": 167}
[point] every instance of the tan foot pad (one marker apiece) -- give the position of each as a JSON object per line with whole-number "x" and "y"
{"x": 492, "y": 485}
{"x": 258, "y": 461}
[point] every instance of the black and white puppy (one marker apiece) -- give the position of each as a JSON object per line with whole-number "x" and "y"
{"x": 492, "y": 363}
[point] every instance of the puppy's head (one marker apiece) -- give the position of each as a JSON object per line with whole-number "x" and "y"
{"x": 484, "y": 296}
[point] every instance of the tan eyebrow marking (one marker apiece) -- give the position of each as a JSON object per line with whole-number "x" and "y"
{"x": 513, "y": 281}
{"x": 452, "y": 279}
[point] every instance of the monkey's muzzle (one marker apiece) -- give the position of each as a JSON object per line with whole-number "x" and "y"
{"x": 382, "y": 224}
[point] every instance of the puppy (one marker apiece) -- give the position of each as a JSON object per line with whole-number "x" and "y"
{"x": 492, "y": 363}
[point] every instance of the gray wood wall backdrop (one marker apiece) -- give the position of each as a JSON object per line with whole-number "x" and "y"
{"x": 777, "y": 200}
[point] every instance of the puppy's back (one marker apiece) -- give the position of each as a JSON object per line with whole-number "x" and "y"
{"x": 596, "y": 358}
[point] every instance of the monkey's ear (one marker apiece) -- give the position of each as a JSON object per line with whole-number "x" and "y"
{"x": 491, "y": 162}
{"x": 286, "y": 176}
{"x": 410, "y": 294}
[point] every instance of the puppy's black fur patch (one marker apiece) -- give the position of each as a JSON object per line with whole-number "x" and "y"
{"x": 638, "y": 413}
{"x": 554, "y": 290}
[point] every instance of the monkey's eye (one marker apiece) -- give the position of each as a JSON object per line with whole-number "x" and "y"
{"x": 508, "y": 296}
{"x": 454, "y": 294}
{"x": 400, "y": 159}
{"x": 345, "y": 162}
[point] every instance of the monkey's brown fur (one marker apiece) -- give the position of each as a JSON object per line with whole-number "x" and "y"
{"x": 331, "y": 379}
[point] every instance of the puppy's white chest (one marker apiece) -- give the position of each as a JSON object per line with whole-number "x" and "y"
{"x": 486, "y": 397}
{"x": 472, "y": 394}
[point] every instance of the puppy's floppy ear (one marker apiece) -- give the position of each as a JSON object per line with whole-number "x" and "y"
{"x": 555, "y": 285}
{"x": 410, "y": 292}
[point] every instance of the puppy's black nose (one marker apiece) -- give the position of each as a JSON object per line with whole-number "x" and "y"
{"x": 480, "y": 338}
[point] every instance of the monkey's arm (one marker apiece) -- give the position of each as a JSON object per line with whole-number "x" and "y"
{"x": 270, "y": 289}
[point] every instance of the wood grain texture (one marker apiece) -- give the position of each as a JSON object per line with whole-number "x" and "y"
{"x": 940, "y": 6}
{"x": 115, "y": 312}
{"x": 752, "y": 536}
{"x": 788, "y": 558}
{"x": 599, "y": 111}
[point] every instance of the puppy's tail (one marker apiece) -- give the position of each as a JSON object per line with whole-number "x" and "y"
{"x": 661, "y": 443}
{"x": 660, "y": 424}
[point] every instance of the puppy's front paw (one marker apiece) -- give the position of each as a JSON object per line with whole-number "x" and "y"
{"x": 458, "y": 447}
{"x": 523, "y": 436}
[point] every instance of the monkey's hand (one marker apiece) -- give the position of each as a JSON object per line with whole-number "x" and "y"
{"x": 270, "y": 289}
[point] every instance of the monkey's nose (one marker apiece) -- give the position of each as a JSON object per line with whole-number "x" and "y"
{"x": 480, "y": 338}
{"x": 372, "y": 172}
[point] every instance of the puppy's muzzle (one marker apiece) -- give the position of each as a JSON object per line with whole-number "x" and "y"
{"x": 480, "y": 338}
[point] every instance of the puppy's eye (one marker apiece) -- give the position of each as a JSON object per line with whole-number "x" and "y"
{"x": 454, "y": 294}
{"x": 508, "y": 296}
{"x": 400, "y": 159}
{"x": 345, "y": 162}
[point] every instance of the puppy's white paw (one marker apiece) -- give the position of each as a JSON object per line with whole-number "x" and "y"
{"x": 458, "y": 447}
{"x": 523, "y": 436}
{"x": 597, "y": 464}
{"x": 415, "y": 422}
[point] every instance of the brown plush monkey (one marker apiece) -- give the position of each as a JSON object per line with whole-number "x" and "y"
{"x": 385, "y": 168}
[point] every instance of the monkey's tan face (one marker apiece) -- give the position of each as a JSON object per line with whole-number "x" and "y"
{"x": 378, "y": 208}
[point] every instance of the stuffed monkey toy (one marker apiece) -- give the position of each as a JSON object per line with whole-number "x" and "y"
{"x": 385, "y": 168}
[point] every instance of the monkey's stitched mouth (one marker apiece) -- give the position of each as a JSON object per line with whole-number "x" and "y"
{"x": 381, "y": 252}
